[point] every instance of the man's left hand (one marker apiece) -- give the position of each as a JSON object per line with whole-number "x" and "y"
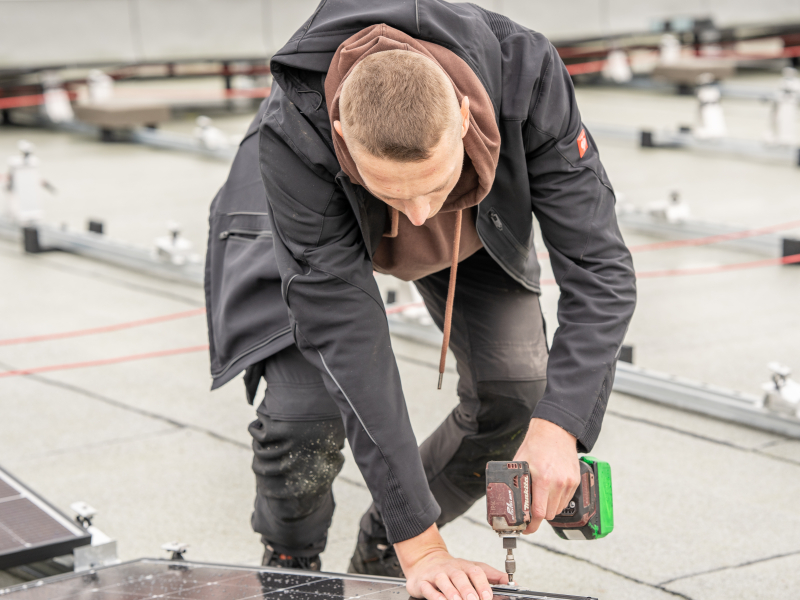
{"x": 432, "y": 573}
{"x": 552, "y": 455}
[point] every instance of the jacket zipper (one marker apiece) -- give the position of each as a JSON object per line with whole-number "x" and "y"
{"x": 498, "y": 224}
{"x": 247, "y": 234}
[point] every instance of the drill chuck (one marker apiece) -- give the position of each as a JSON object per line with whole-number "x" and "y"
{"x": 510, "y": 543}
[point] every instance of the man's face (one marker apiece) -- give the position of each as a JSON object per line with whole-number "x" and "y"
{"x": 416, "y": 189}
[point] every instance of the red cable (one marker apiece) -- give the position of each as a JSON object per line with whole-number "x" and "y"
{"x": 38, "y": 99}
{"x": 32, "y": 100}
{"x": 20, "y": 101}
{"x": 713, "y": 239}
{"x": 784, "y": 260}
{"x": 104, "y": 329}
{"x": 704, "y": 241}
{"x": 795, "y": 258}
{"x": 586, "y": 67}
{"x": 104, "y": 361}
{"x": 396, "y": 309}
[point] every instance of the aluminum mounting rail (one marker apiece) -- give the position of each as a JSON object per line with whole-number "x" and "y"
{"x": 98, "y": 247}
{"x": 168, "y": 140}
{"x": 646, "y": 138}
{"x": 660, "y": 388}
{"x": 733, "y": 92}
{"x": 768, "y": 244}
{"x": 709, "y": 400}
{"x": 155, "y": 138}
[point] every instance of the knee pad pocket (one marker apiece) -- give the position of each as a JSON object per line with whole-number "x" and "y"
{"x": 297, "y": 458}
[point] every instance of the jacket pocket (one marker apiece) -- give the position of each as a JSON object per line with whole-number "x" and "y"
{"x": 498, "y": 224}
{"x": 243, "y": 288}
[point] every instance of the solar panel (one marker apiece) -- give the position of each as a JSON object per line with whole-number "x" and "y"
{"x": 147, "y": 579}
{"x": 31, "y": 529}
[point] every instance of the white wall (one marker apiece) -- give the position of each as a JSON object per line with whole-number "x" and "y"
{"x": 36, "y": 33}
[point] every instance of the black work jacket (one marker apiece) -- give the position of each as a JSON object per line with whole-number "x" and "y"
{"x": 307, "y": 246}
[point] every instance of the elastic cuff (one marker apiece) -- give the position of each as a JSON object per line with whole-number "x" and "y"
{"x": 402, "y": 523}
{"x": 555, "y": 414}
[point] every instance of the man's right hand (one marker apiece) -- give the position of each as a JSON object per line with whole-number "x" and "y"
{"x": 432, "y": 573}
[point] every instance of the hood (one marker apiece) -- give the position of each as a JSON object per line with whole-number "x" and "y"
{"x": 300, "y": 67}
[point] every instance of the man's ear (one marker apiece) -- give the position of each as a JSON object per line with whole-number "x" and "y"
{"x": 338, "y": 127}
{"x": 464, "y": 116}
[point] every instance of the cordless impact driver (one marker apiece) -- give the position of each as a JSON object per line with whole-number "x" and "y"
{"x": 588, "y": 516}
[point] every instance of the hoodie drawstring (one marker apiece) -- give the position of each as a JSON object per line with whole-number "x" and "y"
{"x": 451, "y": 291}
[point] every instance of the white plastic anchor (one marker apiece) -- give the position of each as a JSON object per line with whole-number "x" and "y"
{"x": 669, "y": 50}
{"x": 782, "y": 394}
{"x": 173, "y": 248}
{"x": 711, "y": 121}
{"x": 57, "y": 106}
{"x": 24, "y": 186}
{"x": 208, "y": 136}
{"x": 100, "y": 86}
{"x": 783, "y": 110}
{"x": 617, "y": 67}
{"x": 675, "y": 210}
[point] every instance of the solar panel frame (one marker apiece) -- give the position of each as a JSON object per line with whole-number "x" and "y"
{"x": 130, "y": 580}
{"x": 42, "y": 518}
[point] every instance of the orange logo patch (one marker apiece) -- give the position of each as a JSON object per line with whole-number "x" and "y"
{"x": 583, "y": 143}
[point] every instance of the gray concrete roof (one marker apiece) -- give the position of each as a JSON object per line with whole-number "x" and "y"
{"x": 704, "y": 509}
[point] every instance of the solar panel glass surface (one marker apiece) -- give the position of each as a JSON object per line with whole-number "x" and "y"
{"x": 31, "y": 529}
{"x": 182, "y": 580}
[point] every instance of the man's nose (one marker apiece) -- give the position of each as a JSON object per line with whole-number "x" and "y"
{"x": 417, "y": 210}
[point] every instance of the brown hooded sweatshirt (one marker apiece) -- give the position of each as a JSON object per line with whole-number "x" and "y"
{"x": 409, "y": 252}
{"x": 406, "y": 251}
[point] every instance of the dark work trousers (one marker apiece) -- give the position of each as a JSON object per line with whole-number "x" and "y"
{"x": 499, "y": 343}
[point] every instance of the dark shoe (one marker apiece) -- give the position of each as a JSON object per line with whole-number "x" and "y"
{"x": 284, "y": 561}
{"x": 375, "y": 557}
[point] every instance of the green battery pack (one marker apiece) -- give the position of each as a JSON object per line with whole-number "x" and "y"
{"x": 590, "y": 513}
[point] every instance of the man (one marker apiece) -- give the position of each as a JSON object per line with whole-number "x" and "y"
{"x": 416, "y": 138}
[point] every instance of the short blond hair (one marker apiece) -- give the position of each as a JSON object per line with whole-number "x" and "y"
{"x": 397, "y": 105}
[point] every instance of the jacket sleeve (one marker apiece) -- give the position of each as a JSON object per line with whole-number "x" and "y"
{"x": 574, "y": 204}
{"x": 337, "y": 314}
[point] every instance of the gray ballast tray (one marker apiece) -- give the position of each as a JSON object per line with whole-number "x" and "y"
{"x": 31, "y": 529}
{"x": 147, "y": 579}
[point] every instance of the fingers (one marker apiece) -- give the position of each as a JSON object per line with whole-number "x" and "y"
{"x": 570, "y": 487}
{"x": 569, "y": 493}
{"x": 442, "y": 581}
{"x": 562, "y": 490}
{"x": 482, "y": 576}
{"x": 464, "y": 584}
{"x": 439, "y": 576}
{"x": 471, "y": 582}
{"x": 550, "y": 498}
{"x": 539, "y": 501}
{"x": 534, "y": 525}
{"x": 429, "y": 591}
{"x": 554, "y": 500}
